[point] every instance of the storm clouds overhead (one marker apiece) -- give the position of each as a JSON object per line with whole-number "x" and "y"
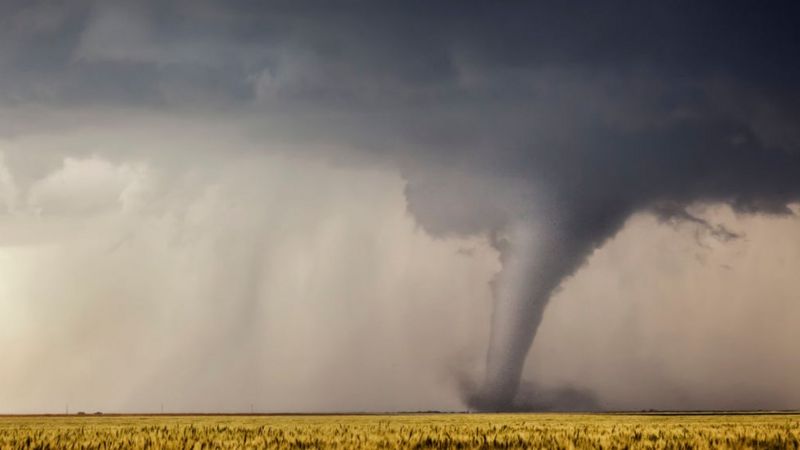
{"x": 297, "y": 206}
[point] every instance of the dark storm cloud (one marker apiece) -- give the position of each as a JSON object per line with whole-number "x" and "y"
{"x": 571, "y": 117}
{"x": 410, "y": 43}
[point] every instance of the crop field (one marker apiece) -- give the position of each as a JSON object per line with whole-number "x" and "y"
{"x": 438, "y": 431}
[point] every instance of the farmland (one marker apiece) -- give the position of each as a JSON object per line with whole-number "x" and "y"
{"x": 650, "y": 431}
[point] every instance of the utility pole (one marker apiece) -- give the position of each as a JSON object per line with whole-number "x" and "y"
{"x": 67, "y": 409}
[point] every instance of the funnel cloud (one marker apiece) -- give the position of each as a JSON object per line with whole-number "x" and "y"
{"x": 272, "y": 195}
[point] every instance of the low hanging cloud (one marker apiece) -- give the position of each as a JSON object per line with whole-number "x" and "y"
{"x": 86, "y": 186}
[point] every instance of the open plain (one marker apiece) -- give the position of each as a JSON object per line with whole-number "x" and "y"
{"x": 421, "y": 431}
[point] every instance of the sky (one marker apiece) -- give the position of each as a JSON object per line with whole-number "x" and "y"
{"x": 398, "y": 206}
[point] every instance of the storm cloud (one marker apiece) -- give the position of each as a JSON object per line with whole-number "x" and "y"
{"x": 535, "y": 131}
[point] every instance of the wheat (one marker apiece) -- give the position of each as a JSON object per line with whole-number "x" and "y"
{"x": 435, "y": 431}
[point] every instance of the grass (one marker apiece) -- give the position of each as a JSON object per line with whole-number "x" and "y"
{"x": 435, "y": 431}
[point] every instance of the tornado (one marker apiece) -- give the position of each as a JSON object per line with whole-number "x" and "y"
{"x": 533, "y": 266}
{"x": 537, "y": 256}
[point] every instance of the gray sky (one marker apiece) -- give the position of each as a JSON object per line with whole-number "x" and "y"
{"x": 378, "y": 206}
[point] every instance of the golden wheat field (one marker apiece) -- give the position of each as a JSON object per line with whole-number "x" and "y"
{"x": 422, "y": 431}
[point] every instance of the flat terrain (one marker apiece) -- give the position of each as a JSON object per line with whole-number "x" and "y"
{"x": 678, "y": 431}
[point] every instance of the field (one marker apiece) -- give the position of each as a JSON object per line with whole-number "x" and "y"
{"x": 763, "y": 431}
